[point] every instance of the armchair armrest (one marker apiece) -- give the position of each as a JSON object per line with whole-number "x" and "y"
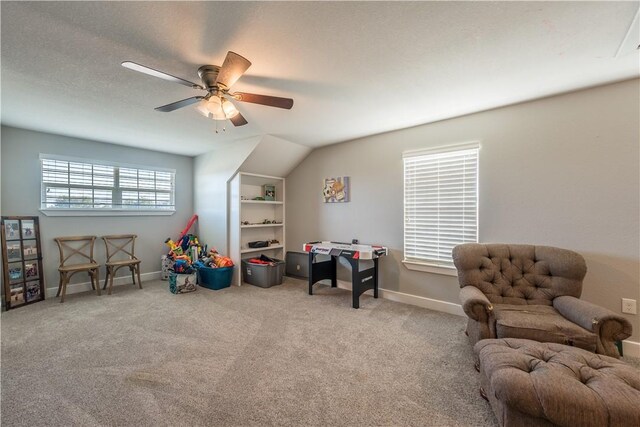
{"x": 607, "y": 324}
{"x": 475, "y": 304}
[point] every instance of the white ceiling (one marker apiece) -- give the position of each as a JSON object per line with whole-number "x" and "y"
{"x": 354, "y": 69}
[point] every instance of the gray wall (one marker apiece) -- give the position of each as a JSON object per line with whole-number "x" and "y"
{"x": 212, "y": 171}
{"x": 21, "y": 196}
{"x": 561, "y": 171}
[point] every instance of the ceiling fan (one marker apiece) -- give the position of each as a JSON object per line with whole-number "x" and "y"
{"x": 217, "y": 81}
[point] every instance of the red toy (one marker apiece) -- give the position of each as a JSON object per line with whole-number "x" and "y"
{"x": 193, "y": 219}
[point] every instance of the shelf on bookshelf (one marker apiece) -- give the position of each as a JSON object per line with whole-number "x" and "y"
{"x": 268, "y": 248}
{"x": 262, "y": 202}
{"x": 261, "y": 225}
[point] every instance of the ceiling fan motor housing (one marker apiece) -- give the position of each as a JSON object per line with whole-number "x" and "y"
{"x": 209, "y": 74}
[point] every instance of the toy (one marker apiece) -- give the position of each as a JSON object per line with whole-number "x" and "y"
{"x": 189, "y": 245}
{"x": 183, "y": 242}
{"x": 219, "y": 260}
{"x": 175, "y": 249}
{"x": 182, "y": 266}
{"x": 193, "y": 219}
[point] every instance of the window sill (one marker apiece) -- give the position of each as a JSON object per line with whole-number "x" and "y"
{"x": 110, "y": 212}
{"x": 430, "y": 268}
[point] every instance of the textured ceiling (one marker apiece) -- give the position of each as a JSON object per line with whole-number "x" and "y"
{"x": 354, "y": 69}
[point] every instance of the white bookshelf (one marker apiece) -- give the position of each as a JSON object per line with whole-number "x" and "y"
{"x": 244, "y": 187}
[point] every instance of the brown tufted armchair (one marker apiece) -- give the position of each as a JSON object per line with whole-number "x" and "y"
{"x": 532, "y": 292}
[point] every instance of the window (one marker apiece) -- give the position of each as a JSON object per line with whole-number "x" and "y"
{"x": 440, "y": 205}
{"x": 78, "y": 184}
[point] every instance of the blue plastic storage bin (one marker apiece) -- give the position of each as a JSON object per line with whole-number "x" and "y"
{"x": 215, "y": 278}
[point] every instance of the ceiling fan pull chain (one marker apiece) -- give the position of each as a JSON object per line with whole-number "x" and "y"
{"x": 224, "y": 114}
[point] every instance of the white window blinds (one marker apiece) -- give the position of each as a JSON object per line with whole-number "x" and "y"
{"x": 83, "y": 184}
{"x": 440, "y": 203}
{"x": 146, "y": 188}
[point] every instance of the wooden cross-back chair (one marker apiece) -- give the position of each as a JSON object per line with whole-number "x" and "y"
{"x": 77, "y": 247}
{"x": 121, "y": 245}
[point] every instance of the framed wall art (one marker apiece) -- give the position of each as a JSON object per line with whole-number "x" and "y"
{"x": 22, "y": 261}
{"x": 336, "y": 190}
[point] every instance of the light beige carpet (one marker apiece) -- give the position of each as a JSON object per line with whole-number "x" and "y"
{"x": 239, "y": 356}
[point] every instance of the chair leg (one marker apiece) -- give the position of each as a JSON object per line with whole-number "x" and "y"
{"x": 106, "y": 279}
{"x": 133, "y": 276}
{"x": 65, "y": 279}
{"x": 96, "y": 277}
{"x": 138, "y": 272}
{"x": 93, "y": 285}
{"x": 59, "y": 284}
{"x": 111, "y": 274}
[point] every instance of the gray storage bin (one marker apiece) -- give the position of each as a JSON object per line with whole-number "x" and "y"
{"x": 264, "y": 276}
{"x": 297, "y": 264}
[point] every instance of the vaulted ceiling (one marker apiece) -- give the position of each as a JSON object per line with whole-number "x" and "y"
{"x": 354, "y": 69}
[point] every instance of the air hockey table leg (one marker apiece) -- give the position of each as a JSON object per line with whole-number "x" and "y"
{"x": 311, "y": 256}
{"x": 334, "y": 276}
{"x": 355, "y": 283}
{"x": 375, "y": 277}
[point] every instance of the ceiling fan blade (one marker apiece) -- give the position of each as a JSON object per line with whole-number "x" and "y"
{"x": 232, "y": 69}
{"x": 271, "y": 101}
{"x": 238, "y": 120}
{"x": 164, "y": 76}
{"x": 179, "y": 104}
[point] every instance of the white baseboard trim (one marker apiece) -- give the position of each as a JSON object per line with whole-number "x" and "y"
{"x": 74, "y": 288}
{"x": 631, "y": 348}
{"x": 431, "y": 304}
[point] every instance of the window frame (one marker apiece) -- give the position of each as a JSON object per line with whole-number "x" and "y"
{"x": 116, "y": 190}
{"x": 433, "y": 266}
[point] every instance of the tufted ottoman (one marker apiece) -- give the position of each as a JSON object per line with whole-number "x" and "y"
{"x": 529, "y": 383}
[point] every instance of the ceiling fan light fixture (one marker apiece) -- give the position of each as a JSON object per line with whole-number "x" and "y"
{"x": 202, "y": 108}
{"x": 214, "y": 105}
{"x": 212, "y": 108}
{"x": 217, "y": 108}
{"x": 230, "y": 110}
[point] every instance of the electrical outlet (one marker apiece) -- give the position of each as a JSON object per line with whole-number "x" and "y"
{"x": 629, "y": 306}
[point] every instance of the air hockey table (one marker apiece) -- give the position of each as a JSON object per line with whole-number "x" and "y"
{"x": 361, "y": 280}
